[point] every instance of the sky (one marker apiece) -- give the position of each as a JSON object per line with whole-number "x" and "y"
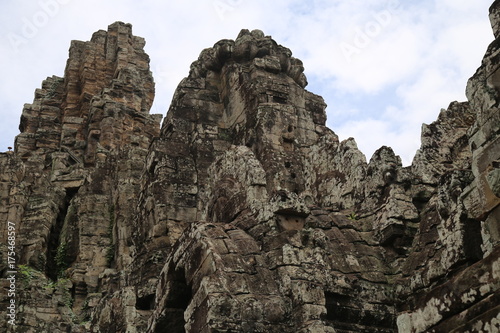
{"x": 384, "y": 67}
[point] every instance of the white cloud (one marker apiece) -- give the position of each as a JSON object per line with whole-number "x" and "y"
{"x": 438, "y": 51}
{"x": 377, "y": 133}
{"x": 417, "y": 57}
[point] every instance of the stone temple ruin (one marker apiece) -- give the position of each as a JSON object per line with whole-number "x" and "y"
{"x": 243, "y": 212}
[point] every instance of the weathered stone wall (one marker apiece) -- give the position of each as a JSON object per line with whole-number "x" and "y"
{"x": 244, "y": 213}
{"x": 72, "y": 182}
{"x": 457, "y": 290}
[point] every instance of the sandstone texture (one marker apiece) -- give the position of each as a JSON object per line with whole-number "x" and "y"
{"x": 243, "y": 212}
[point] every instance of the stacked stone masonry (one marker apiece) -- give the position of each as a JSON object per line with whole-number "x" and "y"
{"x": 243, "y": 212}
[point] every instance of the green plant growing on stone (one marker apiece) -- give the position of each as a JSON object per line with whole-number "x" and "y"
{"x": 61, "y": 258}
{"x": 67, "y": 299}
{"x": 50, "y": 285}
{"x": 27, "y": 273}
{"x": 353, "y": 216}
{"x": 56, "y": 284}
